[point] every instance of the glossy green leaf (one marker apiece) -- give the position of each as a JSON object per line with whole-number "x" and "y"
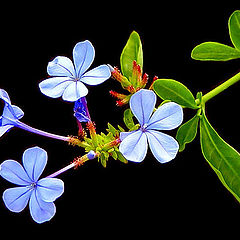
{"x": 187, "y": 132}
{"x": 128, "y": 118}
{"x": 213, "y": 51}
{"x": 132, "y": 51}
{"x": 234, "y": 29}
{"x": 223, "y": 158}
{"x": 168, "y": 89}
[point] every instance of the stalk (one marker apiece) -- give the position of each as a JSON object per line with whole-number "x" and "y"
{"x": 221, "y": 88}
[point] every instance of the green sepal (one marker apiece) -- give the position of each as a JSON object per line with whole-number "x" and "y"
{"x": 234, "y": 29}
{"x": 104, "y": 158}
{"x": 112, "y": 130}
{"x": 132, "y": 51}
{"x": 128, "y": 118}
{"x": 120, "y": 157}
{"x": 187, "y": 132}
{"x": 223, "y": 158}
{"x": 214, "y": 51}
{"x": 169, "y": 89}
{"x": 121, "y": 129}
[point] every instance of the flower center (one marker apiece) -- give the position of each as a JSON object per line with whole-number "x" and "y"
{"x": 143, "y": 128}
{"x": 76, "y": 79}
{"x": 32, "y": 185}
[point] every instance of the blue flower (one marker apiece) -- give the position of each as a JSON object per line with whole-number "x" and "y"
{"x": 81, "y": 110}
{"x": 134, "y": 144}
{"x": 10, "y": 118}
{"x": 39, "y": 193}
{"x": 11, "y": 114}
{"x": 68, "y": 79}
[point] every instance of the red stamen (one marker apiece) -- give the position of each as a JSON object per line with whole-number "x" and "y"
{"x": 117, "y": 95}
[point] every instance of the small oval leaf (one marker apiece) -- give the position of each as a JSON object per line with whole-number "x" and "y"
{"x": 187, "y": 132}
{"x": 234, "y": 28}
{"x": 132, "y": 51}
{"x": 213, "y": 51}
{"x": 128, "y": 118}
{"x": 169, "y": 89}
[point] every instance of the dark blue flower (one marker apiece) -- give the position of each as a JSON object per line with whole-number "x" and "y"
{"x": 81, "y": 110}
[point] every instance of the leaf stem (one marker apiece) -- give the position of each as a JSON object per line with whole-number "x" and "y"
{"x": 221, "y": 88}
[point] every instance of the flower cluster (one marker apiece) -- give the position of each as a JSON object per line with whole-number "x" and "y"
{"x": 67, "y": 80}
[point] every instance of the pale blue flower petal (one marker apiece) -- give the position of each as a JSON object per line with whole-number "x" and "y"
{"x": 18, "y": 112}
{"x": 8, "y": 117}
{"x": 97, "y": 75}
{"x": 75, "y": 91}
{"x": 50, "y": 189}
{"x": 163, "y": 146}
{"x": 166, "y": 117}
{"x": 13, "y": 172}
{"x": 34, "y": 162}
{"x": 40, "y": 210}
{"x": 134, "y": 146}
{"x": 61, "y": 67}
{"x": 142, "y": 104}
{"x": 16, "y": 199}
{"x": 4, "y": 129}
{"x": 123, "y": 135}
{"x": 54, "y": 87}
{"x": 11, "y": 113}
{"x": 83, "y": 56}
{"x": 4, "y": 96}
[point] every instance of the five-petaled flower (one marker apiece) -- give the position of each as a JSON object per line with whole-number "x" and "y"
{"x": 68, "y": 79}
{"x": 11, "y": 114}
{"x": 134, "y": 144}
{"x": 39, "y": 193}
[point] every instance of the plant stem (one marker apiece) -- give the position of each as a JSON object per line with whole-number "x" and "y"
{"x": 40, "y": 132}
{"x": 77, "y": 162}
{"x": 221, "y": 88}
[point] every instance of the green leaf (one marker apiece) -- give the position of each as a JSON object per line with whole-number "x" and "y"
{"x": 213, "y": 51}
{"x": 168, "y": 89}
{"x": 128, "y": 118}
{"x": 132, "y": 51}
{"x": 187, "y": 132}
{"x": 223, "y": 158}
{"x": 234, "y": 29}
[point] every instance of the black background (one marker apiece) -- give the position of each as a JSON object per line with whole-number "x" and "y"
{"x": 182, "y": 197}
